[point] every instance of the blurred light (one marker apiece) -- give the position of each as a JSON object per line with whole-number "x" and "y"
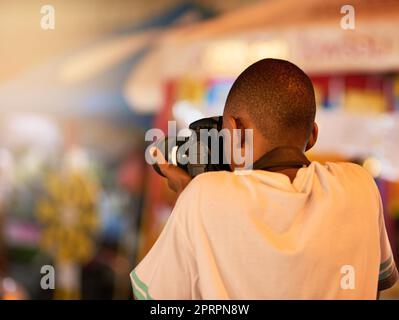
{"x": 232, "y": 56}
{"x": 185, "y": 112}
{"x": 268, "y": 49}
{"x": 9, "y": 285}
{"x": 77, "y": 160}
{"x": 223, "y": 57}
{"x": 95, "y": 60}
{"x": 31, "y": 130}
{"x": 31, "y": 163}
{"x": 6, "y": 162}
{"x": 11, "y": 290}
{"x": 6, "y": 174}
{"x": 373, "y": 166}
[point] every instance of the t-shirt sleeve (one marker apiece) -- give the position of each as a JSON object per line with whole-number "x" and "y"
{"x": 388, "y": 274}
{"x": 167, "y": 271}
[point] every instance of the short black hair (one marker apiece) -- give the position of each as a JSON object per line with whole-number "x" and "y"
{"x": 278, "y": 98}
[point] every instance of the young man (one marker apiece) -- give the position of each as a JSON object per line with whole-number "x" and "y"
{"x": 315, "y": 232}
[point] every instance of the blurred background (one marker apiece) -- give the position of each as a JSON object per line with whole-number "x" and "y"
{"x": 76, "y": 100}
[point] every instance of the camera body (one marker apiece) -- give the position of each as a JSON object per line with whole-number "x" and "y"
{"x": 196, "y": 153}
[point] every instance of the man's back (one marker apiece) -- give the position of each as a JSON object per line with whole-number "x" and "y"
{"x": 256, "y": 235}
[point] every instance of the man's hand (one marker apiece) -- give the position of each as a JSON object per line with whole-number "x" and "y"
{"x": 178, "y": 179}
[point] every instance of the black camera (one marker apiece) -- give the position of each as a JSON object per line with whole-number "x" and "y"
{"x": 200, "y": 152}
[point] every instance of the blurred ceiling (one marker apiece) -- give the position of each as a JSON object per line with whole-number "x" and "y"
{"x": 24, "y": 44}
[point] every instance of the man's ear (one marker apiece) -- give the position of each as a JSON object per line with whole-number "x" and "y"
{"x": 233, "y": 124}
{"x": 240, "y": 126}
{"x": 229, "y": 122}
{"x": 313, "y": 137}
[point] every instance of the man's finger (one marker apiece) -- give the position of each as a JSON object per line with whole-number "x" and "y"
{"x": 158, "y": 156}
{"x": 160, "y": 160}
{"x": 170, "y": 170}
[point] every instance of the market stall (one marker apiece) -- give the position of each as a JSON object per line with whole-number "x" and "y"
{"x": 72, "y": 148}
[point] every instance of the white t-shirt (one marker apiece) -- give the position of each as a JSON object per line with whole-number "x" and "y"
{"x": 256, "y": 235}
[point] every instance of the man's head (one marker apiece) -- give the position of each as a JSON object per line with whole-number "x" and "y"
{"x": 276, "y": 99}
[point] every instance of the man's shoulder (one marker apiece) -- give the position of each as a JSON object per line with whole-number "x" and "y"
{"x": 211, "y": 181}
{"x": 205, "y": 191}
{"x": 353, "y": 175}
{"x": 349, "y": 169}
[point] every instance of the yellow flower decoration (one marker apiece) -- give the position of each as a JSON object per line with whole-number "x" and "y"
{"x": 68, "y": 216}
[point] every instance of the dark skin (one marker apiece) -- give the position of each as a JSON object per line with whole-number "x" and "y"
{"x": 178, "y": 179}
